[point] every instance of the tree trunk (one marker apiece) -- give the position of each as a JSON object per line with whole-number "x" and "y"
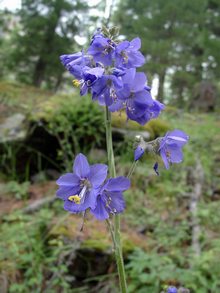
{"x": 160, "y": 95}
{"x": 39, "y": 72}
{"x": 58, "y": 82}
{"x": 50, "y": 31}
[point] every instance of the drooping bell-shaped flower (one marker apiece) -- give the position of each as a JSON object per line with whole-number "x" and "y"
{"x": 171, "y": 147}
{"x": 168, "y": 147}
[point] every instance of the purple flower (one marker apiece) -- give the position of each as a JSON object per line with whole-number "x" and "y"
{"x": 156, "y": 168}
{"x": 134, "y": 95}
{"x": 74, "y": 59}
{"x": 171, "y": 147}
{"x": 80, "y": 189}
{"x": 138, "y": 153}
{"x": 151, "y": 112}
{"x": 75, "y": 62}
{"x": 110, "y": 199}
{"x": 172, "y": 290}
{"x": 102, "y": 49}
{"x": 89, "y": 77}
{"x": 127, "y": 54}
{"x": 106, "y": 88}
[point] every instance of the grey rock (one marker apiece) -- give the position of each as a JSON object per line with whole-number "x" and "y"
{"x": 13, "y": 128}
{"x": 132, "y": 133}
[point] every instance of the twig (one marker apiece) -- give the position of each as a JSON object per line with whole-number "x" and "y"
{"x": 38, "y": 204}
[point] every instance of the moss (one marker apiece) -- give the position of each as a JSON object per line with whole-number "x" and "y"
{"x": 43, "y": 105}
{"x": 97, "y": 244}
{"x": 159, "y": 127}
{"x": 156, "y": 127}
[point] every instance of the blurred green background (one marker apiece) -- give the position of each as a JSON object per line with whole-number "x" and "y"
{"x": 171, "y": 226}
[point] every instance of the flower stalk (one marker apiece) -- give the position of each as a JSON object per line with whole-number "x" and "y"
{"x": 116, "y": 235}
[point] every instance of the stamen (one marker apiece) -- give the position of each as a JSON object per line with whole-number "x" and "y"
{"x": 108, "y": 201}
{"x": 76, "y": 83}
{"x": 75, "y": 198}
{"x": 79, "y": 198}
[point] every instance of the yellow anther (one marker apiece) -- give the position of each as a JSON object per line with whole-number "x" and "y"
{"x": 75, "y": 198}
{"x": 76, "y": 83}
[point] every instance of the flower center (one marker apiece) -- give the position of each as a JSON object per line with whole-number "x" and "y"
{"x": 79, "y": 198}
{"x": 76, "y": 83}
{"x": 168, "y": 155}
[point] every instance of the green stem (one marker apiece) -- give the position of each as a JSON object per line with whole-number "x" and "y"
{"x": 116, "y": 236}
{"x": 133, "y": 166}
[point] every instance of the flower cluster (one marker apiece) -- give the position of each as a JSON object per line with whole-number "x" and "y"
{"x": 168, "y": 147}
{"x": 107, "y": 69}
{"x": 87, "y": 188}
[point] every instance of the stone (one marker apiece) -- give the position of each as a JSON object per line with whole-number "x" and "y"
{"x": 13, "y": 128}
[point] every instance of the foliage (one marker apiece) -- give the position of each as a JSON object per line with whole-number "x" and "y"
{"x": 44, "y": 31}
{"x": 76, "y": 126}
{"x": 33, "y": 253}
{"x": 151, "y": 271}
{"x": 19, "y": 190}
{"x": 157, "y": 211}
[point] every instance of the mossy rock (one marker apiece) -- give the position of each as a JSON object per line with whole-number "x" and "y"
{"x": 159, "y": 127}
{"x": 41, "y": 105}
{"x": 15, "y": 97}
{"x": 156, "y": 127}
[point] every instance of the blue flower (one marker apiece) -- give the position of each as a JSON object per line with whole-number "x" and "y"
{"x": 102, "y": 49}
{"x": 105, "y": 90}
{"x": 108, "y": 72}
{"x": 136, "y": 98}
{"x": 127, "y": 54}
{"x": 150, "y": 112}
{"x": 172, "y": 290}
{"x": 138, "y": 153}
{"x": 110, "y": 199}
{"x": 168, "y": 147}
{"x": 171, "y": 147}
{"x": 75, "y": 62}
{"x": 89, "y": 78}
{"x": 79, "y": 190}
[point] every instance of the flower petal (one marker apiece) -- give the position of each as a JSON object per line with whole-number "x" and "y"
{"x": 90, "y": 202}
{"x": 143, "y": 98}
{"x": 117, "y": 184}
{"x": 138, "y": 153}
{"x": 117, "y": 203}
{"x": 176, "y": 155}
{"x": 81, "y": 166}
{"x": 100, "y": 211}
{"x": 116, "y": 106}
{"x": 122, "y": 46}
{"x": 98, "y": 174}
{"x": 178, "y": 136}
{"x": 156, "y": 168}
{"x": 135, "y": 44}
{"x": 68, "y": 179}
{"x": 164, "y": 158}
{"x": 139, "y": 81}
{"x": 129, "y": 76}
{"x": 65, "y": 191}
